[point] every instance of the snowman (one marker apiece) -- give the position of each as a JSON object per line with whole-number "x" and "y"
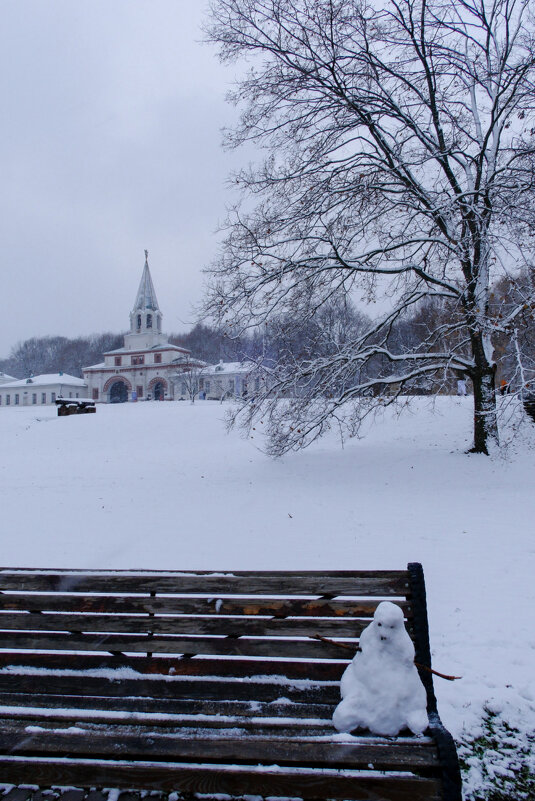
{"x": 381, "y": 689}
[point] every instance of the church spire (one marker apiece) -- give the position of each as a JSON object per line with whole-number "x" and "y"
{"x": 146, "y": 296}
{"x": 145, "y": 317}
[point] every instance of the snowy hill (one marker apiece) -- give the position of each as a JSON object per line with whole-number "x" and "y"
{"x": 163, "y": 486}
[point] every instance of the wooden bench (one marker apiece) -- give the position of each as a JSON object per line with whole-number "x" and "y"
{"x": 204, "y": 682}
{"x": 68, "y": 406}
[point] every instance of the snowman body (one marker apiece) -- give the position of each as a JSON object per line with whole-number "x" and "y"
{"x": 381, "y": 689}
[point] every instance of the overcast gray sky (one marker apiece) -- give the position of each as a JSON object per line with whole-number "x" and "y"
{"x": 109, "y": 143}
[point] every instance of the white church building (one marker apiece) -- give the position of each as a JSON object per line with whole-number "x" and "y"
{"x": 142, "y": 369}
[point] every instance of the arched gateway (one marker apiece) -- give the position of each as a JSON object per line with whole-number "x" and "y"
{"x": 117, "y": 389}
{"x": 118, "y": 392}
{"x": 158, "y": 388}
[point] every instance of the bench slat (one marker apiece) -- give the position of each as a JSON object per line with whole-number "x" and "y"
{"x": 221, "y": 779}
{"x": 271, "y": 647}
{"x": 161, "y": 665}
{"x": 388, "y": 583}
{"x": 162, "y": 604}
{"x": 224, "y": 689}
{"x": 239, "y": 626}
{"x": 119, "y": 741}
{"x": 186, "y": 706}
{"x": 191, "y": 726}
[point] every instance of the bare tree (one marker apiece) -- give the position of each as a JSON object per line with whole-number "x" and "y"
{"x": 190, "y": 381}
{"x": 400, "y": 141}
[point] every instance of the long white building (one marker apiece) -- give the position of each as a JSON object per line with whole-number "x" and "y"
{"x": 142, "y": 369}
{"x": 41, "y": 390}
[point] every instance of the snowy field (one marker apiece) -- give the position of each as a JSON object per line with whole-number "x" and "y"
{"x": 164, "y": 486}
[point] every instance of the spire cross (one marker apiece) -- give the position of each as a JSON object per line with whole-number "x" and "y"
{"x": 146, "y": 255}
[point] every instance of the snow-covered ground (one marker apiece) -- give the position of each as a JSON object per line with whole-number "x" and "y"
{"x": 151, "y": 485}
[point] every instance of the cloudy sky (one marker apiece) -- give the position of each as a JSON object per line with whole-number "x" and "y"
{"x": 110, "y": 143}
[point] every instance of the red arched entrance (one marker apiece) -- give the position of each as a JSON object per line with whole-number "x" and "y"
{"x": 158, "y": 388}
{"x": 117, "y": 389}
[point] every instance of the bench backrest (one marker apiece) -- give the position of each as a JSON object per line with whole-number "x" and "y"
{"x": 199, "y": 622}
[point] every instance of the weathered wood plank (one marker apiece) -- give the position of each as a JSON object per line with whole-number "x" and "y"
{"x": 135, "y": 573}
{"x": 86, "y": 713}
{"x": 178, "y": 625}
{"x": 182, "y": 687}
{"x": 252, "y": 606}
{"x": 179, "y": 729}
{"x": 346, "y": 583}
{"x": 173, "y": 705}
{"x": 235, "y": 781}
{"x": 271, "y": 647}
{"x": 162, "y": 665}
{"x": 137, "y": 742}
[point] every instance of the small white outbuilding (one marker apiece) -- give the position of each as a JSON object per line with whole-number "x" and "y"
{"x": 41, "y": 390}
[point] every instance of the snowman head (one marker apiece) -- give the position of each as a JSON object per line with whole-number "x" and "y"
{"x": 387, "y": 630}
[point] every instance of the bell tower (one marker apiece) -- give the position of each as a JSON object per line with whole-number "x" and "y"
{"x": 145, "y": 317}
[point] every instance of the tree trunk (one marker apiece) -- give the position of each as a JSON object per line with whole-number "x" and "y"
{"x": 485, "y": 416}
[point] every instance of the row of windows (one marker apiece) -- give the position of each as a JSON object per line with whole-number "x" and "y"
{"x": 138, "y": 359}
{"x": 42, "y": 398}
{"x": 15, "y": 400}
{"x": 206, "y": 386}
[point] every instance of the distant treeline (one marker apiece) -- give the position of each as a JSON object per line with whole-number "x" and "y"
{"x": 325, "y": 332}
{"x": 53, "y": 354}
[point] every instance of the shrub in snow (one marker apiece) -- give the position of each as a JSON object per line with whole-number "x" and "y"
{"x": 499, "y": 763}
{"x": 381, "y": 689}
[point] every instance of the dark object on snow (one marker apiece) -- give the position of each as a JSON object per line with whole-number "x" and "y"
{"x": 529, "y": 404}
{"x": 131, "y": 689}
{"x": 68, "y": 406}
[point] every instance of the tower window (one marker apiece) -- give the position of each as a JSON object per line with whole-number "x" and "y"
{"x": 149, "y": 320}
{"x": 139, "y": 321}
{"x": 117, "y": 361}
{"x": 157, "y": 358}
